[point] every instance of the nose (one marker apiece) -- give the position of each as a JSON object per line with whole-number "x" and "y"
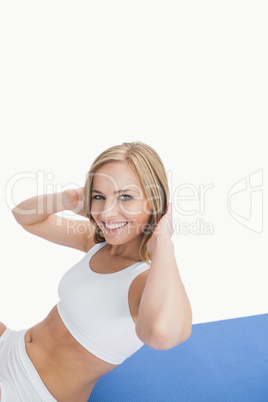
{"x": 110, "y": 210}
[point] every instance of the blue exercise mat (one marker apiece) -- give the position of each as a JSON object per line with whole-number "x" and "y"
{"x": 221, "y": 361}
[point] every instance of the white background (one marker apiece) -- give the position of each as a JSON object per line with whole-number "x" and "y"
{"x": 188, "y": 78}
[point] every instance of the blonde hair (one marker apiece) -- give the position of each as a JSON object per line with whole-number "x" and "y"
{"x": 149, "y": 169}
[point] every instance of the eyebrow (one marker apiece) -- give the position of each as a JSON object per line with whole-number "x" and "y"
{"x": 116, "y": 192}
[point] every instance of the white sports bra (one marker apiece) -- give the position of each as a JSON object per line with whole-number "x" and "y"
{"x": 94, "y": 308}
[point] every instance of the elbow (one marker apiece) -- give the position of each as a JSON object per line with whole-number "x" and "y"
{"x": 186, "y": 334}
{"x": 166, "y": 334}
{"x": 169, "y": 336}
{"x": 160, "y": 339}
{"x": 15, "y": 214}
{"x": 19, "y": 216}
{"x": 165, "y": 341}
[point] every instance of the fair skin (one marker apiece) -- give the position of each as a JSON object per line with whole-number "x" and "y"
{"x": 130, "y": 207}
{"x": 155, "y": 297}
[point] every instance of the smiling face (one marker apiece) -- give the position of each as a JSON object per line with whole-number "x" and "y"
{"x": 118, "y": 204}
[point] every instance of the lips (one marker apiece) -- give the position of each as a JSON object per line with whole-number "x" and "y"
{"x": 115, "y": 229}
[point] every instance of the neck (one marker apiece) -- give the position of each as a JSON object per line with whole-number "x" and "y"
{"x": 129, "y": 249}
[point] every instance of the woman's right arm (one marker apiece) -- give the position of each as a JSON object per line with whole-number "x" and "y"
{"x": 37, "y": 216}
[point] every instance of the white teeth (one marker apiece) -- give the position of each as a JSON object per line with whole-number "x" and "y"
{"x": 115, "y": 226}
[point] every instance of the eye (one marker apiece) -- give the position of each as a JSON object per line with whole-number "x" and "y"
{"x": 128, "y": 197}
{"x": 124, "y": 197}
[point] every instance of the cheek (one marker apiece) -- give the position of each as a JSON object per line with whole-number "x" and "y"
{"x": 134, "y": 208}
{"x": 95, "y": 209}
{"x": 146, "y": 219}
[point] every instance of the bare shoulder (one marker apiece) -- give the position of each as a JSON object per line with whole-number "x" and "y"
{"x": 2, "y": 328}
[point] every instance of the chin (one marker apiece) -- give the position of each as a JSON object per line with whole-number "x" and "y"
{"x": 114, "y": 241}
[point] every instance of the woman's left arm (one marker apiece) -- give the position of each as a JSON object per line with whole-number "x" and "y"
{"x": 165, "y": 315}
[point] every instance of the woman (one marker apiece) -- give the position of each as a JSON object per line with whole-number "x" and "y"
{"x": 125, "y": 292}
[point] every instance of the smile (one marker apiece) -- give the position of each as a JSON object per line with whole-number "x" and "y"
{"x": 114, "y": 226}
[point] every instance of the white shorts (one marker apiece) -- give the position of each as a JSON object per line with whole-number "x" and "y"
{"x": 19, "y": 380}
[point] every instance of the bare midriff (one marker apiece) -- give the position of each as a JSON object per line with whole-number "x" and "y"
{"x": 66, "y": 368}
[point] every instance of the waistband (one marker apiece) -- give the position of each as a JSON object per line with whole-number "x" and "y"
{"x": 24, "y": 373}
